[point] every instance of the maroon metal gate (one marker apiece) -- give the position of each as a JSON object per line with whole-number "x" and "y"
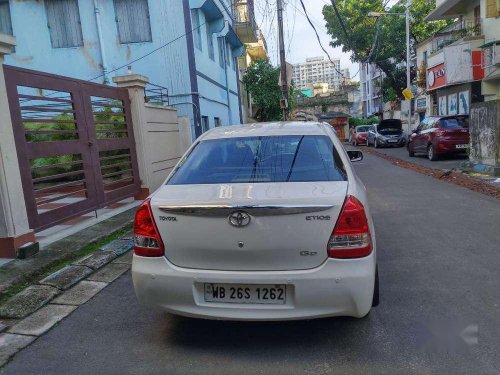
{"x": 75, "y": 144}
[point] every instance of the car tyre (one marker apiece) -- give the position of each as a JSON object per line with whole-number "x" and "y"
{"x": 376, "y": 290}
{"x": 431, "y": 153}
{"x": 411, "y": 153}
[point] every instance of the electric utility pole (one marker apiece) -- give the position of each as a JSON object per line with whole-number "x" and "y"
{"x": 408, "y": 60}
{"x": 284, "y": 78}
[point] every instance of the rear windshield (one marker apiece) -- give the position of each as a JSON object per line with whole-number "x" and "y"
{"x": 362, "y": 129}
{"x": 294, "y": 158}
{"x": 451, "y": 123}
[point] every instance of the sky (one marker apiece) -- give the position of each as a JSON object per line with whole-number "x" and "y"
{"x": 300, "y": 40}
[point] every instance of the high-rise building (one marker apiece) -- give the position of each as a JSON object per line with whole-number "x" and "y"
{"x": 319, "y": 70}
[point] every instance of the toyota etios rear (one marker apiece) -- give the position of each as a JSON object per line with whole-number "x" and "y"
{"x": 259, "y": 222}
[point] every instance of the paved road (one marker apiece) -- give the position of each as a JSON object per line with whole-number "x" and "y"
{"x": 444, "y": 162}
{"x": 439, "y": 264}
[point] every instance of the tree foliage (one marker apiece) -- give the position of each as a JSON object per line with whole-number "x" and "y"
{"x": 261, "y": 81}
{"x": 355, "y": 121}
{"x": 389, "y": 52}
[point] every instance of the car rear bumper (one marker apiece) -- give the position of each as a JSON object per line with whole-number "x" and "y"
{"x": 399, "y": 143}
{"x": 447, "y": 147}
{"x": 336, "y": 288}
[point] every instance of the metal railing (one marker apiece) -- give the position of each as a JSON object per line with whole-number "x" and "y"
{"x": 456, "y": 31}
{"x": 244, "y": 12}
{"x": 155, "y": 94}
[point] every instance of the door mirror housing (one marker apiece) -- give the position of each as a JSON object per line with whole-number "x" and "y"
{"x": 355, "y": 155}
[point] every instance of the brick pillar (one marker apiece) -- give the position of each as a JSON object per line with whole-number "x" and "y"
{"x": 135, "y": 84}
{"x": 14, "y": 228}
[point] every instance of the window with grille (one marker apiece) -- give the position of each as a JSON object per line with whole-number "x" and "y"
{"x": 220, "y": 44}
{"x": 492, "y": 8}
{"x": 195, "y": 22}
{"x": 5, "y": 20}
{"x": 210, "y": 43}
{"x": 228, "y": 56}
{"x": 133, "y": 21}
{"x": 205, "y": 124}
{"x": 63, "y": 20}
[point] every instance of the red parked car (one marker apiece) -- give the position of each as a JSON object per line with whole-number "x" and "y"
{"x": 360, "y": 135}
{"x": 437, "y": 136}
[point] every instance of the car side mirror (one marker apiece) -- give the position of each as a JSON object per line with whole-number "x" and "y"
{"x": 415, "y": 131}
{"x": 355, "y": 155}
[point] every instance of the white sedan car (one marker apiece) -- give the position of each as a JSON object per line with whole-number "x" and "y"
{"x": 259, "y": 222}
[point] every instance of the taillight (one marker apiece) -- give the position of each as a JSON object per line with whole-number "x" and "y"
{"x": 147, "y": 241}
{"x": 351, "y": 236}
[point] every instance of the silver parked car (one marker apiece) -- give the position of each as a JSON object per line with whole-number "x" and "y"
{"x": 388, "y": 133}
{"x": 259, "y": 222}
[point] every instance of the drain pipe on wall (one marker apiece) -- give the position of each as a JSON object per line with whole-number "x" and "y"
{"x": 101, "y": 42}
{"x": 227, "y": 78}
{"x": 227, "y": 87}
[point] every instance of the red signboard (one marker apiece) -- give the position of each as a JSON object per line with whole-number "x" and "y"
{"x": 477, "y": 65}
{"x": 436, "y": 77}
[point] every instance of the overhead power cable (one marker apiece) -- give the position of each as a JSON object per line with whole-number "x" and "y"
{"x": 150, "y": 52}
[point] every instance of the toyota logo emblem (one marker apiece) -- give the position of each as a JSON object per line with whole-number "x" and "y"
{"x": 239, "y": 219}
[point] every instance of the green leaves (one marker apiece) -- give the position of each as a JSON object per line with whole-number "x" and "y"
{"x": 389, "y": 52}
{"x": 261, "y": 81}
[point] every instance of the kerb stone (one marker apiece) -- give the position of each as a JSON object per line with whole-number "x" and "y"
{"x": 96, "y": 260}
{"x": 80, "y": 293}
{"x": 28, "y": 301}
{"x": 41, "y": 321}
{"x": 10, "y": 344}
{"x": 66, "y": 277}
{"x": 109, "y": 273}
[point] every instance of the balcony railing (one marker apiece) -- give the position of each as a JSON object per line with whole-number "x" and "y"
{"x": 244, "y": 14}
{"x": 456, "y": 31}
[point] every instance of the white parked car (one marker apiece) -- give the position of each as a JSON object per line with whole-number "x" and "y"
{"x": 259, "y": 222}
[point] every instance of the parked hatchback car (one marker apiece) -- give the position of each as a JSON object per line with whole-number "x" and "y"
{"x": 437, "y": 136}
{"x": 259, "y": 222}
{"x": 360, "y": 135}
{"x": 388, "y": 133}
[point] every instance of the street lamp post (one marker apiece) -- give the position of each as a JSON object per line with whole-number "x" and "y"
{"x": 406, "y": 14}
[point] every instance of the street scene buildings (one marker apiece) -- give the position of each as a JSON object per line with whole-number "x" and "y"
{"x": 319, "y": 70}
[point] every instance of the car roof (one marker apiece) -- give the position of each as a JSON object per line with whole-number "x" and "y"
{"x": 446, "y": 116}
{"x": 261, "y": 129}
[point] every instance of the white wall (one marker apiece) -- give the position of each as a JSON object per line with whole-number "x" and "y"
{"x": 163, "y": 142}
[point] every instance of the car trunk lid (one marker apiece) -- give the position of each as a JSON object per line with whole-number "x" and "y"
{"x": 289, "y": 225}
{"x": 390, "y": 127}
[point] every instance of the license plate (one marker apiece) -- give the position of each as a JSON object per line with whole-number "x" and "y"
{"x": 461, "y": 146}
{"x": 250, "y": 293}
{"x": 392, "y": 140}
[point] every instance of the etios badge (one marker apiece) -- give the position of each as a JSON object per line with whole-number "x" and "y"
{"x": 239, "y": 219}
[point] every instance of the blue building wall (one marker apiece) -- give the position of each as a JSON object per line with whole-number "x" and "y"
{"x": 169, "y": 66}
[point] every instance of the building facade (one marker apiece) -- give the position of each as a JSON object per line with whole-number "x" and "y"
{"x": 255, "y": 49}
{"x": 319, "y": 70}
{"x": 462, "y": 60}
{"x": 370, "y": 86}
{"x": 188, "y": 47}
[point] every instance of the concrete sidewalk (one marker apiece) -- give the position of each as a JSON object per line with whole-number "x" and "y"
{"x": 22, "y": 271}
